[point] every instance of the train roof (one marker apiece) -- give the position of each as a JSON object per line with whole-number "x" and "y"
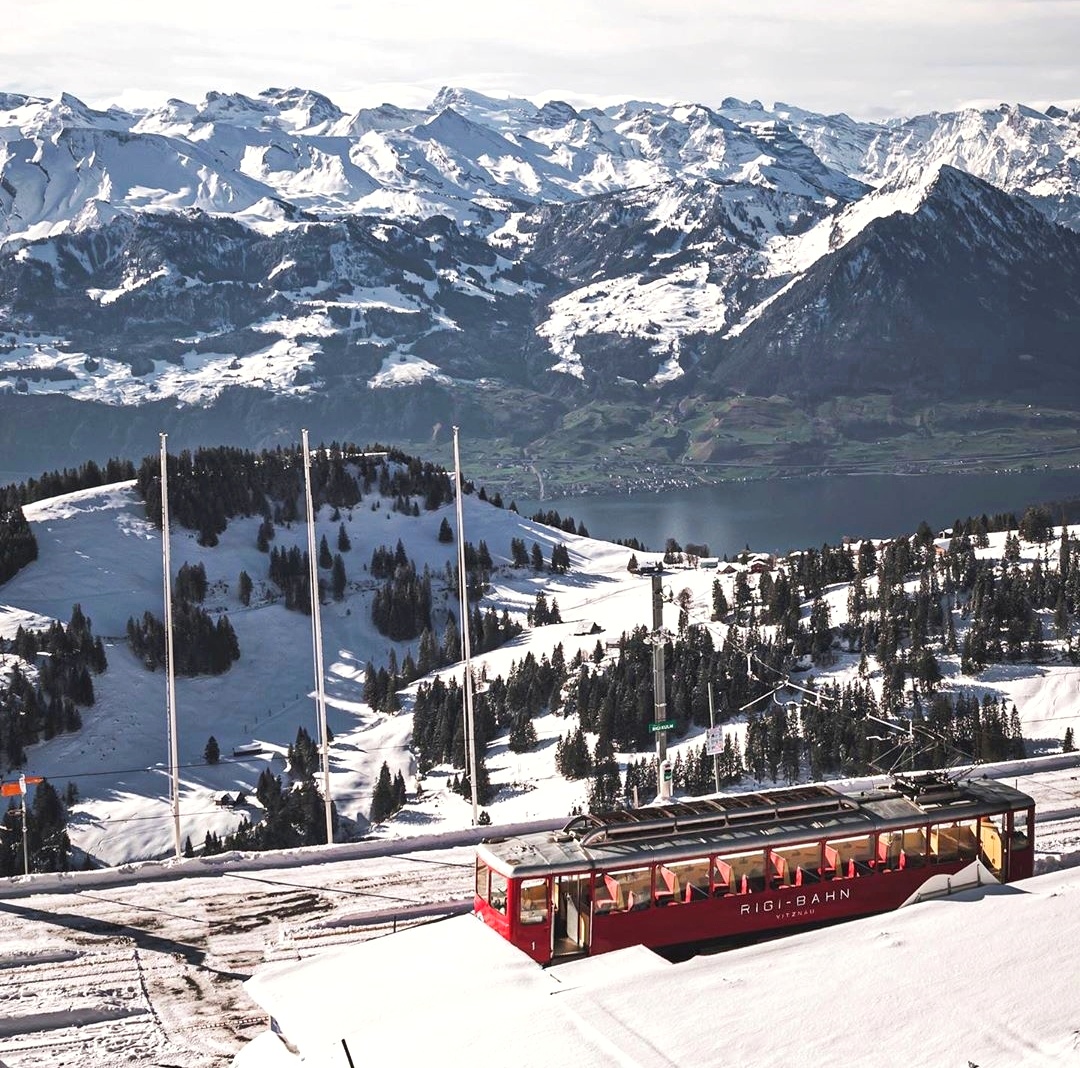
{"x": 738, "y": 822}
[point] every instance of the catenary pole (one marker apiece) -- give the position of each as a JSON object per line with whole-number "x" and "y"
{"x": 712, "y": 726}
{"x": 471, "y": 756}
{"x": 170, "y": 658}
{"x": 316, "y": 643}
{"x": 659, "y": 695}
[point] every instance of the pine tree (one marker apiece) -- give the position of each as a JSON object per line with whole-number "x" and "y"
{"x": 719, "y": 601}
{"x": 401, "y": 794}
{"x": 382, "y": 801}
{"x": 244, "y": 588}
{"x": 212, "y": 752}
{"x": 343, "y": 543}
{"x": 264, "y": 536}
{"x": 742, "y": 592}
{"x": 326, "y": 561}
{"x": 522, "y": 734}
{"x": 338, "y": 578}
{"x": 451, "y": 643}
{"x": 446, "y": 534}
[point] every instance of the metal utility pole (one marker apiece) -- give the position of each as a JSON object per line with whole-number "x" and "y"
{"x": 170, "y": 659}
{"x": 316, "y": 642}
{"x": 712, "y": 727}
{"x": 660, "y": 724}
{"x": 471, "y": 756}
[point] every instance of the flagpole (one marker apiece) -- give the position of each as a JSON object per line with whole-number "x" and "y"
{"x": 471, "y": 756}
{"x": 170, "y": 662}
{"x": 316, "y": 641}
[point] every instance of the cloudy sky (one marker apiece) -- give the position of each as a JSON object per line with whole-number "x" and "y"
{"x": 871, "y": 58}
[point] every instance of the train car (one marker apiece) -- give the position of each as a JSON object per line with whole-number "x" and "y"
{"x": 745, "y": 865}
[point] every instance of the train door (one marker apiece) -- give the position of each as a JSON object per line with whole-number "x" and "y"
{"x": 533, "y": 932}
{"x": 1021, "y": 852}
{"x": 571, "y": 916}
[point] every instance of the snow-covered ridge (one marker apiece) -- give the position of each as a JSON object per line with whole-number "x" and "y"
{"x": 905, "y": 193}
{"x": 229, "y": 153}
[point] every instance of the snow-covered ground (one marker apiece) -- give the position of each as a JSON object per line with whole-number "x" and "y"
{"x": 149, "y": 965}
{"x": 145, "y": 964}
{"x": 984, "y": 978}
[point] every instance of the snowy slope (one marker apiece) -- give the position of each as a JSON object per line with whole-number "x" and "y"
{"x": 97, "y": 548}
{"x": 98, "y": 543}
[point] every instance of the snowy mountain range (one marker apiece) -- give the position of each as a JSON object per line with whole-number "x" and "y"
{"x": 227, "y": 269}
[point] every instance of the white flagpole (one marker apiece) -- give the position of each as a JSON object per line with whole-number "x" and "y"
{"x": 170, "y": 662}
{"x": 316, "y": 641}
{"x": 471, "y": 756}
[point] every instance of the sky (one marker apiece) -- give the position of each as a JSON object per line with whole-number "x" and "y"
{"x": 871, "y": 60}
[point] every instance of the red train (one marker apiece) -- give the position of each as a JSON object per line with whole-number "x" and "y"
{"x": 732, "y": 867}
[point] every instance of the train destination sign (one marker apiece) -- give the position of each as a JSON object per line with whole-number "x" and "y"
{"x": 663, "y": 725}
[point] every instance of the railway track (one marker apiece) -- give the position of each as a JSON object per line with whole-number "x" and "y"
{"x": 156, "y": 971}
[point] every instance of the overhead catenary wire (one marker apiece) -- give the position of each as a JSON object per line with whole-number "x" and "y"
{"x": 929, "y": 740}
{"x": 161, "y": 769}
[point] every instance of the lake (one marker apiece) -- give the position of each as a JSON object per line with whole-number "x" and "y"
{"x": 778, "y": 515}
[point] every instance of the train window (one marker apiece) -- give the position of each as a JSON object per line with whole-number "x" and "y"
{"x": 967, "y": 838}
{"x": 914, "y": 847}
{"x": 497, "y": 897}
{"x": 992, "y": 843}
{"x": 890, "y": 851}
{"x": 954, "y": 841}
{"x": 795, "y": 865}
{"x": 624, "y": 891}
{"x": 848, "y": 858}
{"x": 482, "y": 880}
{"x": 534, "y": 901}
{"x": 1020, "y": 838}
{"x": 683, "y": 881}
{"x": 747, "y": 872}
{"x": 723, "y": 880}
